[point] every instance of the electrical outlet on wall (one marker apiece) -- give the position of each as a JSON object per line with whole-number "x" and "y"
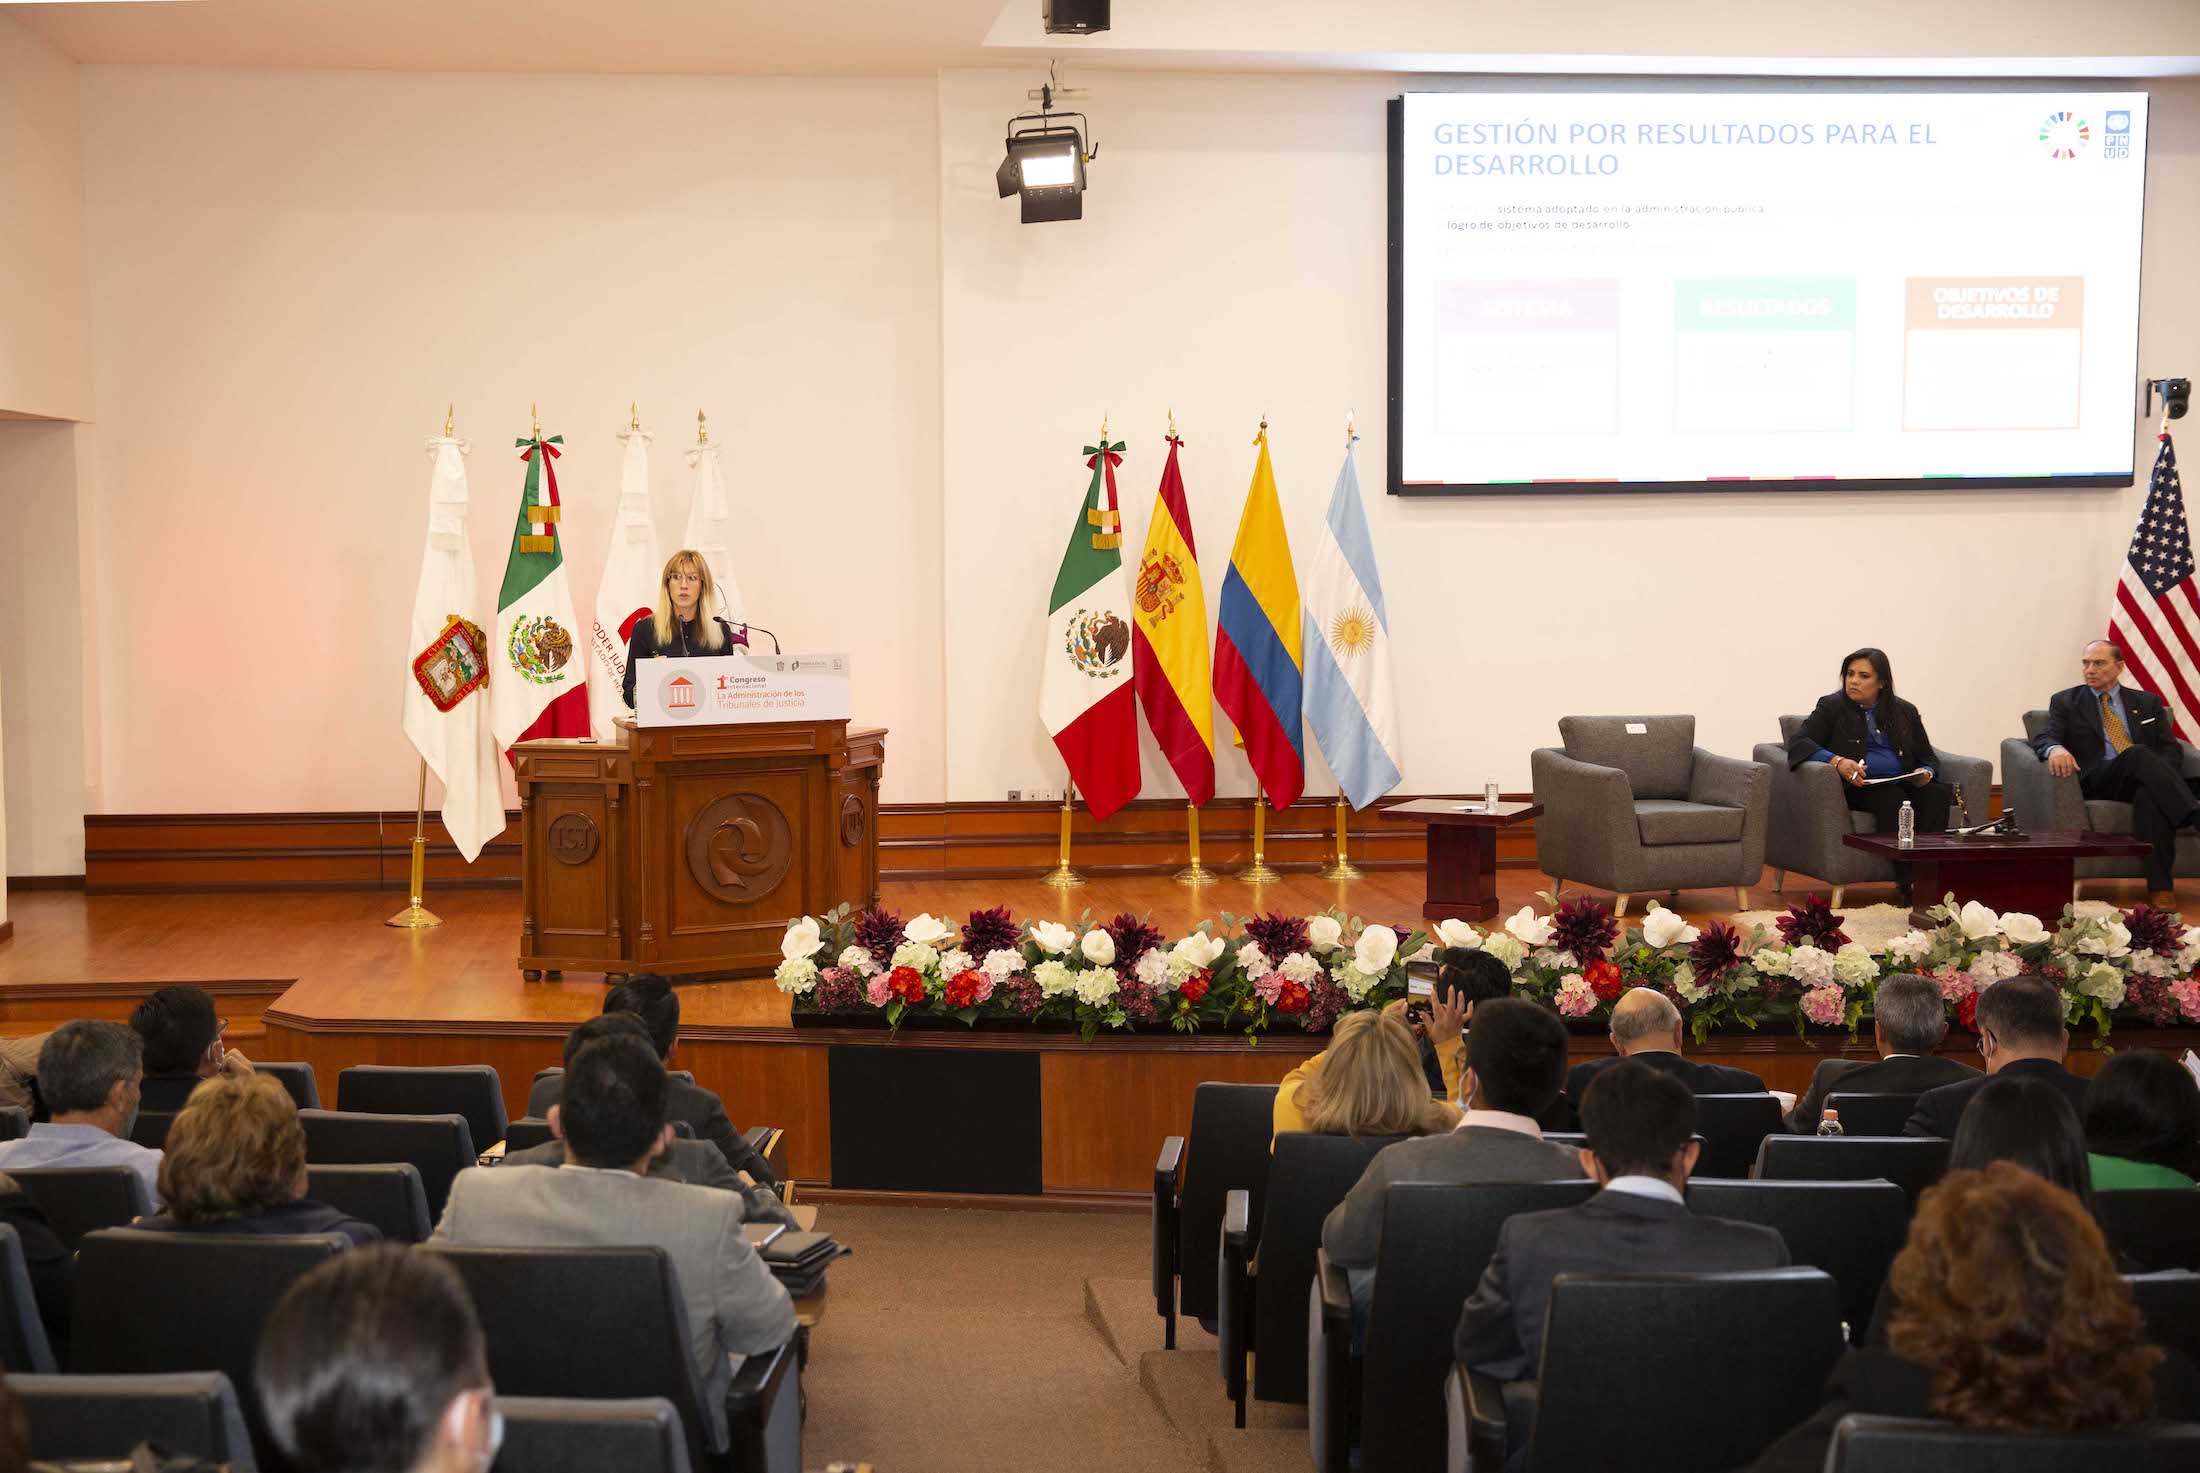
{"x": 1042, "y": 795}
{"x": 1015, "y": 795}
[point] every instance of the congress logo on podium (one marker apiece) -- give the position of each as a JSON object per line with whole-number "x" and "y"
{"x": 679, "y": 695}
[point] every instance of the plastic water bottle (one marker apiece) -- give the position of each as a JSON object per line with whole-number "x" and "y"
{"x": 1829, "y": 1123}
{"x": 1905, "y": 826}
{"x": 1489, "y": 796}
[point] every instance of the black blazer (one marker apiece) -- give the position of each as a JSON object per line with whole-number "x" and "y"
{"x": 2074, "y": 724}
{"x": 166, "y": 1091}
{"x": 1939, "y": 1110}
{"x": 1880, "y": 1383}
{"x": 1500, "y": 1330}
{"x": 1702, "y": 1079}
{"x": 302, "y": 1216}
{"x": 684, "y": 1100}
{"x": 642, "y": 645}
{"x": 1837, "y": 724}
{"x": 1903, "y": 1074}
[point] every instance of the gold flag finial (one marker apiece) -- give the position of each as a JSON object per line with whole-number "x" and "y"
{"x": 1263, "y": 428}
{"x": 1351, "y": 428}
{"x": 702, "y": 432}
{"x": 534, "y": 412}
{"x": 1172, "y": 421}
{"x": 633, "y": 415}
{"x": 450, "y": 417}
{"x": 1103, "y": 429}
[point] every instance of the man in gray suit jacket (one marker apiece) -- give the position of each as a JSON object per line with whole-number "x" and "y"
{"x": 1640, "y": 1122}
{"x": 1516, "y": 1061}
{"x": 612, "y": 1118}
{"x": 1908, "y": 1022}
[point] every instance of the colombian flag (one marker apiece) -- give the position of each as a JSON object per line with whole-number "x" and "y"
{"x": 1257, "y": 663}
{"x": 1169, "y": 640}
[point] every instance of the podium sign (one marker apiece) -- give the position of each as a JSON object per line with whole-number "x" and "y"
{"x": 730, "y": 690}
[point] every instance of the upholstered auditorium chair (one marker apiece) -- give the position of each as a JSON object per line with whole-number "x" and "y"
{"x": 1809, "y": 815}
{"x": 24, "y": 1348}
{"x": 1732, "y": 1128}
{"x": 438, "y": 1146}
{"x": 2170, "y": 1304}
{"x": 388, "y": 1195}
{"x": 82, "y": 1199}
{"x": 1849, "y": 1229}
{"x": 305, "y": 1093}
{"x": 102, "y": 1418}
{"x": 544, "y": 1434}
{"x": 15, "y": 1122}
{"x": 1912, "y": 1163}
{"x": 1226, "y": 1150}
{"x": 1864, "y": 1444}
{"x": 2155, "y": 1228}
{"x": 2042, "y": 800}
{"x": 1631, "y": 804}
{"x": 470, "y": 1090}
{"x": 1872, "y": 1114}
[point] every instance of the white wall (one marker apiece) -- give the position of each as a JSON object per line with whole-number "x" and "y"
{"x": 1232, "y": 261}
{"x": 45, "y": 358}
{"x": 41, "y": 663}
{"x": 293, "y": 272}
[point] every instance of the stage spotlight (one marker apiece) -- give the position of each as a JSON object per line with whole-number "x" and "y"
{"x": 1044, "y": 158}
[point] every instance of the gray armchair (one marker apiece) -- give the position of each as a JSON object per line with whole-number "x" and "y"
{"x": 1809, "y": 815}
{"x": 1631, "y": 804}
{"x": 2043, "y": 801}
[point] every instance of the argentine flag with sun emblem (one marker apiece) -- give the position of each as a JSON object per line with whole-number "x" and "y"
{"x": 1351, "y": 700}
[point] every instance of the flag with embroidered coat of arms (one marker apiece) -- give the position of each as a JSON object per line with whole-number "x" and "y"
{"x": 1085, "y": 688}
{"x": 446, "y": 703}
{"x": 539, "y": 681}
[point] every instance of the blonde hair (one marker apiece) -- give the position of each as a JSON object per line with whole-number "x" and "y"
{"x": 1370, "y": 1082}
{"x": 687, "y": 559}
{"x": 235, "y": 1148}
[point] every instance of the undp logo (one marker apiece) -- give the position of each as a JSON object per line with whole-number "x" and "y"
{"x": 678, "y": 694}
{"x": 2119, "y": 121}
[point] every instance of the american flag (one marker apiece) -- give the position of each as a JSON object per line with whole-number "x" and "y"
{"x": 2156, "y": 620}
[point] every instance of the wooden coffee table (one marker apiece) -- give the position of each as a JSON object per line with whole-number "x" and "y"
{"x": 1462, "y": 852}
{"x": 2031, "y": 874}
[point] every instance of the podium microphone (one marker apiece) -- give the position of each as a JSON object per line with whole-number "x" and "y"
{"x": 760, "y": 629}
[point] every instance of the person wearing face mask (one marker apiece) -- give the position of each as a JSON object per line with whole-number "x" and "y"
{"x": 1867, "y": 733}
{"x": 687, "y": 621}
{"x": 374, "y": 1362}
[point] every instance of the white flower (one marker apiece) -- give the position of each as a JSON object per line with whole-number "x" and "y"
{"x": 1053, "y": 937}
{"x": 1253, "y": 962}
{"x": 955, "y": 963}
{"x": 1300, "y": 968}
{"x": 2147, "y": 964}
{"x": 1977, "y": 922}
{"x": 859, "y": 961}
{"x": 1458, "y": 935}
{"x": 1356, "y": 983}
{"x": 1810, "y": 966}
{"x": 1909, "y": 946}
{"x": 1556, "y": 960}
{"x": 2113, "y": 939}
{"x": 1002, "y": 962}
{"x": 1662, "y": 928}
{"x": 1095, "y": 985}
{"x": 1199, "y": 950}
{"x": 2022, "y": 930}
{"x": 1528, "y": 928}
{"x": 1685, "y": 983}
{"x": 1055, "y": 979}
{"x": 926, "y": 931}
{"x": 1853, "y": 966}
{"x": 1153, "y": 969}
{"x": 2104, "y": 982}
{"x": 1098, "y": 947}
{"x": 1506, "y": 948}
{"x": 802, "y": 940}
{"x": 1771, "y": 961}
{"x": 1324, "y": 932}
{"x": 1427, "y": 953}
{"x": 916, "y": 954}
{"x": 1992, "y": 966}
{"x": 797, "y": 974}
{"x": 1376, "y": 949}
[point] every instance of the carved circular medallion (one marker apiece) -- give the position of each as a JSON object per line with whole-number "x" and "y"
{"x": 739, "y": 847}
{"x": 573, "y": 838}
{"x": 851, "y": 820}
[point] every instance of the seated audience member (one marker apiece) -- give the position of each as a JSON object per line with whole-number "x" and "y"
{"x": 235, "y": 1162}
{"x": 19, "y": 1070}
{"x": 2121, "y": 745}
{"x": 89, "y": 1073}
{"x": 1516, "y": 1058}
{"x": 651, "y": 998}
{"x": 1367, "y": 1082}
{"x": 612, "y": 1117}
{"x": 1641, "y": 1124}
{"x": 1908, "y": 1022}
{"x": 51, "y": 1267}
{"x": 2011, "y": 1316}
{"x": 2142, "y": 1123}
{"x": 698, "y": 1162}
{"x": 374, "y": 1363}
{"x": 1463, "y": 979}
{"x": 183, "y": 1044}
{"x": 1864, "y": 731}
{"x": 1646, "y": 1026}
{"x": 2020, "y": 1032}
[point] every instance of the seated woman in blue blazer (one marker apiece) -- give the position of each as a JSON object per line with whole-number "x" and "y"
{"x": 1864, "y": 731}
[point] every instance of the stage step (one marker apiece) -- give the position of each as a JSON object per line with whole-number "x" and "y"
{"x": 1187, "y": 1386}
{"x": 1121, "y": 1310}
{"x": 1257, "y": 1450}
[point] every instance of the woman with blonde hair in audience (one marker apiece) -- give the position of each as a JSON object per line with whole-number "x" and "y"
{"x": 2009, "y": 1315}
{"x": 235, "y": 1162}
{"x": 1368, "y": 1082}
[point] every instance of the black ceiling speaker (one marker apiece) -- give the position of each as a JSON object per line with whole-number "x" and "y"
{"x": 1074, "y": 17}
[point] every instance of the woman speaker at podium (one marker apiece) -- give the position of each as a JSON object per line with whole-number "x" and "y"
{"x": 686, "y": 622}
{"x": 1876, "y": 742}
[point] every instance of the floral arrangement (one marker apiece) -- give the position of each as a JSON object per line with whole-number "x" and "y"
{"x": 1258, "y": 973}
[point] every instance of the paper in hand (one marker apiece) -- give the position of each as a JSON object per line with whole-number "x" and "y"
{"x": 1900, "y": 777}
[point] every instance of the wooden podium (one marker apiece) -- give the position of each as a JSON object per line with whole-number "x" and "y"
{"x": 684, "y": 850}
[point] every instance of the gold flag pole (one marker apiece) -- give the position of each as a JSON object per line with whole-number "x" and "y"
{"x": 417, "y": 917}
{"x": 1258, "y": 872}
{"x": 1342, "y": 868}
{"x": 1193, "y": 873}
{"x": 1062, "y": 877}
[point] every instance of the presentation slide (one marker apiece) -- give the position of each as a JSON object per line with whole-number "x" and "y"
{"x": 1764, "y": 289}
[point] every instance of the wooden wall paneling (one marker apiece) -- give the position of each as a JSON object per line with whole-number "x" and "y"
{"x": 32, "y": 1007}
{"x": 781, "y": 1084}
{"x": 1103, "y": 1113}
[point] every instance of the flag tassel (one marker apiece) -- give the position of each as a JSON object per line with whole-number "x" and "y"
{"x": 1193, "y": 873}
{"x": 1062, "y": 877}
{"x": 417, "y": 917}
{"x": 1342, "y": 868}
{"x": 1258, "y": 872}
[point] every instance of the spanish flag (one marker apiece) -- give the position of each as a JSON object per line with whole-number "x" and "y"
{"x": 1257, "y": 663}
{"x": 1169, "y": 640}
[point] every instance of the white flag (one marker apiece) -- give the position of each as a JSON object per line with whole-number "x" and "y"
{"x": 632, "y": 571}
{"x": 710, "y": 529}
{"x": 446, "y": 709}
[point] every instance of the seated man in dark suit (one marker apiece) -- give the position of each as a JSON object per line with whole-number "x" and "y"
{"x": 2121, "y": 747}
{"x": 1908, "y": 1022}
{"x": 1641, "y": 1124}
{"x": 2020, "y": 1030}
{"x": 650, "y": 998}
{"x": 183, "y": 1045}
{"x": 1646, "y": 1026}
{"x": 1516, "y": 1057}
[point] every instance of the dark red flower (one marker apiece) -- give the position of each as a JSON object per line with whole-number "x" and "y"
{"x": 1279, "y": 935}
{"x": 1324, "y": 1001}
{"x": 988, "y": 931}
{"x": 2151, "y": 999}
{"x": 963, "y": 989}
{"x": 1585, "y": 927}
{"x": 1814, "y": 921}
{"x": 1604, "y": 979}
{"x": 2153, "y": 930}
{"x": 1136, "y": 1000}
{"x": 1291, "y": 999}
{"x": 838, "y": 991}
{"x": 1195, "y": 986}
{"x": 1718, "y": 947}
{"x": 878, "y": 931}
{"x": 906, "y": 983}
{"x": 1019, "y": 995}
{"x": 1133, "y": 939}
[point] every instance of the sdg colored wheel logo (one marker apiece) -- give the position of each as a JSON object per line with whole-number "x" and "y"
{"x": 2064, "y": 133}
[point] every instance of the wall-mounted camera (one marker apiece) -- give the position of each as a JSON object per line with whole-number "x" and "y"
{"x": 2175, "y": 395}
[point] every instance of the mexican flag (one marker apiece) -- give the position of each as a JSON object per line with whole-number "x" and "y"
{"x": 1085, "y": 692}
{"x": 540, "y": 688}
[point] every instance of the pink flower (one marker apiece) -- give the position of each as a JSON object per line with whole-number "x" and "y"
{"x": 879, "y": 991}
{"x": 1955, "y": 984}
{"x": 1825, "y": 1005}
{"x": 2187, "y": 994}
{"x": 1576, "y": 999}
{"x": 1270, "y": 986}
